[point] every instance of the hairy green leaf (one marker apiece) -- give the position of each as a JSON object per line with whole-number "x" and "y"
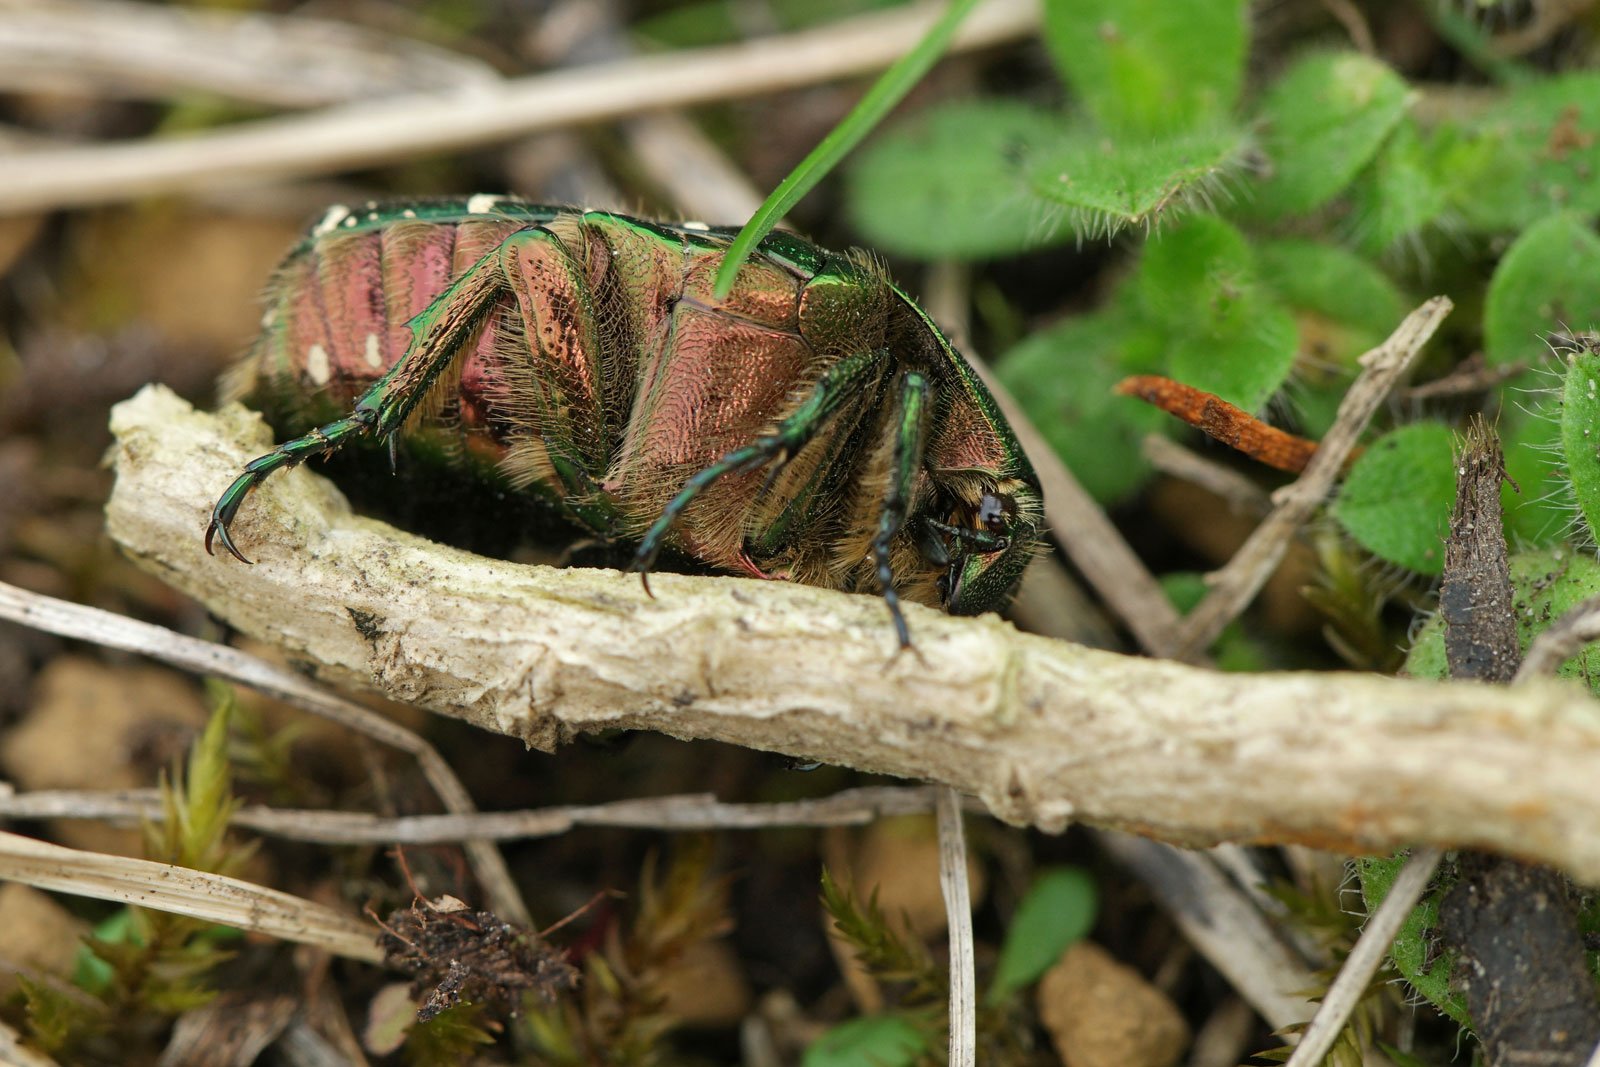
{"x": 1535, "y": 152}
{"x": 1397, "y": 498}
{"x": 1150, "y": 66}
{"x": 1105, "y": 183}
{"x": 1548, "y": 583}
{"x": 1063, "y": 377}
{"x": 1331, "y": 281}
{"x": 1325, "y": 120}
{"x": 1580, "y": 434}
{"x": 1398, "y": 196}
{"x": 890, "y": 88}
{"x": 1549, "y": 280}
{"x": 1416, "y": 948}
{"x": 955, "y": 182}
{"x": 1226, "y": 333}
{"x": 1538, "y": 507}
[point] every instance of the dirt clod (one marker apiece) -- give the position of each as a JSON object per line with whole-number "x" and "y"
{"x": 1101, "y": 1013}
{"x": 455, "y": 954}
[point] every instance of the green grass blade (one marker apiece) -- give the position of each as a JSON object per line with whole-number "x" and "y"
{"x": 885, "y": 93}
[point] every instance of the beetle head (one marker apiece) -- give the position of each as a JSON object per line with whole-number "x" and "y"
{"x": 989, "y": 541}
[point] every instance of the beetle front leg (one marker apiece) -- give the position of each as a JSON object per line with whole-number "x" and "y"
{"x": 910, "y": 429}
{"x": 841, "y": 383}
{"x": 321, "y": 441}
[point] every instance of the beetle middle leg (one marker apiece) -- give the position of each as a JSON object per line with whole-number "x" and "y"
{"x": 560, "y": 383}
{"x": 839, "y": 385}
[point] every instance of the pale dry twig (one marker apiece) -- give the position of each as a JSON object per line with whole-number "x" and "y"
{"x": 198, "y": 894}
{"x": 958, "y": 910}
{"x": 1040, "y": 730}
{"x": 1236, "y": 584}
{"x": 1377, "y": 937}
{"x": 683, "y": 812}
{"x": 362, "y": 134}
{"x": 203, "y": 657}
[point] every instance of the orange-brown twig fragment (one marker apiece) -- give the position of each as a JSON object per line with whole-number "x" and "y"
{"x": 1231, "y": 425}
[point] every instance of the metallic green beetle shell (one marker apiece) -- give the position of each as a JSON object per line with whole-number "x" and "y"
{"x": 813, "y": 425}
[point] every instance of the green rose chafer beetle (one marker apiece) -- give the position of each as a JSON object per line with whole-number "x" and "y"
{"x": 813, "y": 425}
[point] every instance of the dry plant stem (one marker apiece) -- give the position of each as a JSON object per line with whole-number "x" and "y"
{"x": 685, "y": 164}
{"x": 1225, "y": 1036}
{"x": 1042, "y": 731}
{"x": 360, "y": 135}
{"x": 161, "y": 886}
{"x": 689, "y": 168}
{"x": 1550, "y": 18}
{"x": 1167, "y": 456}
{"x": 1562, "y": 640}
{"x": 687, "y": 812}
{"x": 1476, "y": 600}
{"x": 1471, "y": 377}
{"x": 1365, "y": 958}
{"x": 1354, "y": 23}
{"x": 958, "y": 912}
{"x": 1480, "y": 643}
{"x": 138, "y": 50}
{"x": 230, "y": 1030}
{"x": 1221, "y": 923}
{"x": 302, "y": 1046}
{"x": 1513, "y": 927}
{"x": 203, "y": 657}
{"x": 1236, "y": 584}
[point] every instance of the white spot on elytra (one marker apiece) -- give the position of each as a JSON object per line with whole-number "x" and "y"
{"x": 335, "y": 215}
{"x": 269, "y": 317}
{"x": 482, "y": 204}
{"x": 690, "y": 224}
{"x": 408, "y": 214}
{"x": 374, "y": 359}
{"x": 317, "y": 364}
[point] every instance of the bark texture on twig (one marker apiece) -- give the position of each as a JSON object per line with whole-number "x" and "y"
{"x": 1040, "y": 730}
{"x": 189, "y": 653}
{"x": 1513, "y": 927}
{"x": 1475, "y": 598}
{"x": 1521, "y": 964}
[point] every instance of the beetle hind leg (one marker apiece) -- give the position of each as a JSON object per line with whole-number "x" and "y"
{"x": 439, "y": 334}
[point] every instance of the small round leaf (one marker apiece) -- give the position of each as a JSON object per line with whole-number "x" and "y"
{"x": 1397, "y": 498}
